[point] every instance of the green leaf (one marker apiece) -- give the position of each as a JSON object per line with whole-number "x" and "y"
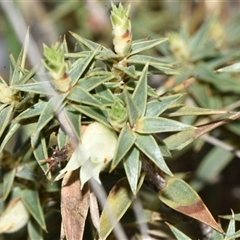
{"x": 39, "y": 147}
{"x": 234, "y": 236}
{"x": 160, "y": 70}
{"x": 118, "y": 202}
{"x": 27, "y": 76}
{"x": 157, "y": 106}
{"x": 8, "y": 180}
{"x": 200, "y": 37}
{"x": 130, "y": 71}
{"x": 103, "y": 91}
{"x": 236, "y": 217}
{"x": 12, "y": 129}
{"x": 49, "y": 111}
{"x": 80, "y": 95}
{"x": 223, "y": 82}
{"x": 34, "y": 230}
{"x": 74, "y": 120}
{"x": 148, "y": 125}
{"x": 80, "y": 66}
{"x": 125, "y": 141}
{"x": 33, "y": 111}
{"x": 90, "y": 83}
{"x": 179, "y": 196}
{"x": 162, "y": 146}
{"x": 132, "y": 110}
{"x": 177, "y": 233}
{"x": 147, "y": 144}
{"x": 132, "y": 166}
{"x": 152, "y": 61}
{"x": 98, "y": 114}
{"x": 31, "y": 201}
{"x": 117, "y": 115}
{"x": 5, "y": 117}
{"x": 232, "y": 68}
{"x": 231, "y": 226}
{"x": 181, "y": 139}
{"x": 27, "y": 173}
{"x": 139, "y": 46}
{"x": 89, "y": 44}
{"x": 182, "y": 110}
{"x": 216, "y": 160}
{"x": 140, "y": 93}
{"x": 44, "y": 88}
{"x": 19, "y": 65}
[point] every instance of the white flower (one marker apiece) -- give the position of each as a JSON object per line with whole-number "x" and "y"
{"x": 96, "y": 150}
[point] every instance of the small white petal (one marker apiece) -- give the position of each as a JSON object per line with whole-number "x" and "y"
{"x": 100, "y": 142}
{"x": 78, "y": 157}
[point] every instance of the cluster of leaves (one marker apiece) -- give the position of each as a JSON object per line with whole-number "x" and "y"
{"x": 96, "y": 84}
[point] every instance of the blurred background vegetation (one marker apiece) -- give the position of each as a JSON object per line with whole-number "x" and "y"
{"x": 212, "y": 162}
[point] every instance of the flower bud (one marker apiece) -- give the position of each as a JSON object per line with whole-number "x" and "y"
{"x": 55, "y": 64}
{"x": 121, "y": 25}
{"x": 117, "y": 115}
{"x": 6, "y": 95}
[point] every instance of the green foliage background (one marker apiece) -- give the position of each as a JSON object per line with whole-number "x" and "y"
{"x": 212, "y": 170}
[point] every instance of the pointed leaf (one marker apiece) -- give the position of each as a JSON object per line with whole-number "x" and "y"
{"x": 216, "y": 160}
{"x": 235, "y": 236}
{"x": 157, "y": 106}
{"x": 130, "y": 71}
{"x": 27, "y": 76}
{"x": 232, "y": 68}
{"x": 5, "y": 117}
{"x": 139, "y": 46}
{"x": 140, "y": 93}
{"x": 148, "y": 145}
{"x": 148, "y": 125}
{"x": 80, "y": 95}
{"x": 236, "y": 217}
{"x": 199, "y": 38}
{"x": 80, "y": 66}
{"x": 74, "y": 205}
{"x": 182, "y": 110}
{"x": 39, "y": 147}
{"x": 132, "y": 110}
{"x": 177, "y": 233}
{"x": 74, "y": 119}
{"x": 152, "y": 61}
{"x": 31, "y": 201}
{"x": 12, "y": 129}
{"x": 44, "y": 88}
{"x": 132, "y": 166}
{"x": 91, "y": 83}
{"x": 125, "y": 141}
{"x": 8, "y": 180}
{"x": 34, "y": 230}
{"x": 89, "y": 44}
{"x": 180, "y": 140}
{"x": 49, "y": 111}
{"x": 231, "y": 226}
{"x": 163, "y": 147}
{"x": 98, "y": 114}
{"x": 17, "y": 73}
{"x": 179, "y": 196}
{"x": 33, "y": 111}
{"x": 118, "y": 202}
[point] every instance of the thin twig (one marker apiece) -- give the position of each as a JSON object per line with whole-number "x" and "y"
{"x": 218, "y": 143}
